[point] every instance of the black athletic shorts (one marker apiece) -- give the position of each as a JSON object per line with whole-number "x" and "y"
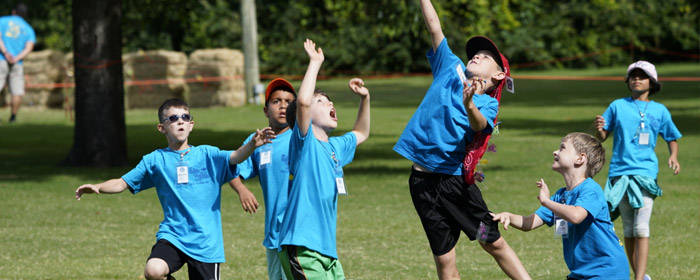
{"x": 176, "y": 259}
{"x": 446, "y": 205}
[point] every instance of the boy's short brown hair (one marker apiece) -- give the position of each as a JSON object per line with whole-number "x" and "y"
{"x": 173, "y": 102}
{"x": 589, "y": 145}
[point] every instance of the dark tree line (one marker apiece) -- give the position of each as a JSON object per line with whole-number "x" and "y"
{"x": 389, "y": 35}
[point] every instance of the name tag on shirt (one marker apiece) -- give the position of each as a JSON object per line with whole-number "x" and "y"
{"x": 561, "y": 228}
{"x": 339, "y": 181}
{"x": 182, "y": 172}
{"x": 644, "y": 139}
{"x": 265, "y": 156}
{"x": 460, "y": 72}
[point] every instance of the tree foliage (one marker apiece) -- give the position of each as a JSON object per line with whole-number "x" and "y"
{"x": 390, "y": 35}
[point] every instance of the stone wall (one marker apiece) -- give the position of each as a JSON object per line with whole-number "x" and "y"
{"x": 206, "y": 78}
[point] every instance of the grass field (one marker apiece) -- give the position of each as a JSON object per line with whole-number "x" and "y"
{"x": 46, "y": 234}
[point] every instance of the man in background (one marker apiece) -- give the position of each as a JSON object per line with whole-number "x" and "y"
{"x": 17, "y": 40}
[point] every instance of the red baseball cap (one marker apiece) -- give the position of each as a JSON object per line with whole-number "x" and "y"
{"x": 276, "y": 84}
{"x": 477, "y": 43}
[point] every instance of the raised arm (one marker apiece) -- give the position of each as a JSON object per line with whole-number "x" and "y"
{"x": 110, "y": 186}
{"x": 261, "y": 137}
{"x": 570, "y": 213}
{"x": 308, "y": 85}
{"x": 673, "y": 159}
{"x": 432, "y": 22}
{"x": 361, "y": 128}
{"x": 522, "y": 223}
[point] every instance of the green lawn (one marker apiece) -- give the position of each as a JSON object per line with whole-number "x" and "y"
{"x": 46, "y": 234}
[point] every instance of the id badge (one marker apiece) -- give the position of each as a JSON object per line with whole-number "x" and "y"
{"x": 643, "y": 134}
{"x": 644, "y": 138}
{"x": 265, "y": 156}
{"x": 561, "y": 228}
{"x": 460, "y": 72}
{"x": 182, "y": 172}
{"x": 483, "y": 233}
{"x": 339, "y": 181}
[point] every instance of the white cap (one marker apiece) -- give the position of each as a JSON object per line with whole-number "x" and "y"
{"x": 646, "y": 66}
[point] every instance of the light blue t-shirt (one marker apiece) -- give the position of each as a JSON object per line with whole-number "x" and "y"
{"x": 191, "y": 211}
{"x": 438, "y": 133}
{"x": 591, "y": 250}
{"x": 15, "y": 33}
{"x": 273, "y": 174}
{"x": 623, "y": 119}
{"x": 311, "y": 217}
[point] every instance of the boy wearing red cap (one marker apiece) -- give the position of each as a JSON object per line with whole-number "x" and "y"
{"x": 445, "y": 138}
{"x": 270, "y": 164}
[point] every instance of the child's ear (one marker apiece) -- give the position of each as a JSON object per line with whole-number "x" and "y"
{"x": 498, "y": 76}
{"x": 161, "y": 128}
{"x": 582, "y": 158}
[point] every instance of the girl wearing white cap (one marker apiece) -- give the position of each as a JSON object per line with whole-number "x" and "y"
{"x": 635, "y": 123}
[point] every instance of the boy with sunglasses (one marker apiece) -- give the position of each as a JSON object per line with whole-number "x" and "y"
{"x": 188, "y": 182}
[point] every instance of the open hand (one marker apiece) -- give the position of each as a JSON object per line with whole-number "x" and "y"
{"x": 503, "y": 218}
{"x": 357, "y": 86}
{"x": 87, "y": 188}
{"x": 314, "y": 55}
{"x": 263, "y": 136}
{"x": 471, "y": 87}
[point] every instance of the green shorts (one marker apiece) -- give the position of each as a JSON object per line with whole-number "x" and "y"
{"x": 301, "y": 263}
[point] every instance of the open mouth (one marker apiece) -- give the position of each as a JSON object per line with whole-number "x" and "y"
{"x": 333, "y": 114}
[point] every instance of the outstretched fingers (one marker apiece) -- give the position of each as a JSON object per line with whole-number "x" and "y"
{"x": 314, "y": 54}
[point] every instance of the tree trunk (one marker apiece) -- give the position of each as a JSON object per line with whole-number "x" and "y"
{"x": 249, "y": 25}
{"x": 100, "y": 130}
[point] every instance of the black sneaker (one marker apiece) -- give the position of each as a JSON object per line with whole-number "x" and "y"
{"x": 13, "y": 118}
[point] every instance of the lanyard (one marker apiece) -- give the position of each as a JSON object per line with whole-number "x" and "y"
{"x": 182, "y": 155}
{"x": 331, "y": 153}
{"x": 641, "y": 114}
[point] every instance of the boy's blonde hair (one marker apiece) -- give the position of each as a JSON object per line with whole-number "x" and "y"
{"x": 589, "y": 145}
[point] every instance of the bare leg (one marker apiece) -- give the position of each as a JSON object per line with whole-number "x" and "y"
{"x": 506, "y": 259}
{"x": 447, "y": 265}
{"x": 641, "y": 254}
{"x": 15, "y": 103}
{"x": 156, "y": 269}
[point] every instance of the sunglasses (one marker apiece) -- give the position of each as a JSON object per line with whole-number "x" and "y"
{"x": 174, "y": 118}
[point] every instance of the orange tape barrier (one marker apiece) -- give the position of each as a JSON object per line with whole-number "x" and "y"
{"x": 384, "y": 76}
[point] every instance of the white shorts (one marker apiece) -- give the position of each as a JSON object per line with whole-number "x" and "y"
{"x": 15, "y": 74}
{"x": 635, "y": 222}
